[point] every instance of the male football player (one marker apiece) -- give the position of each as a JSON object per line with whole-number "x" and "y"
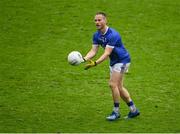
{"x": 110, "y": 40}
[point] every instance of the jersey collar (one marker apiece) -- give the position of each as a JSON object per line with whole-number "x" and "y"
{"x": 105, "y": 31}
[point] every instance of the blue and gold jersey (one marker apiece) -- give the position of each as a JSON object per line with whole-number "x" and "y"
{"x": 111, "y": 38}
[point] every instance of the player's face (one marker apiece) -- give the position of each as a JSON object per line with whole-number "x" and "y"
{"x": 100, "y": 21}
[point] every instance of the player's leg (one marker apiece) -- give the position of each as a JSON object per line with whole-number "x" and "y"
{"x": 126, "y": 96}
{"x": 123, "y": 91}
{"x": 114, "y": 84}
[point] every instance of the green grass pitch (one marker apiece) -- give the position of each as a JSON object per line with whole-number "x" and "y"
{"x": 41, "y": 92}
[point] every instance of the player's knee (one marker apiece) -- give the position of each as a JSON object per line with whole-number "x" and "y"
{"x": 120, "y": 88}
{"x": 113, "y": 85}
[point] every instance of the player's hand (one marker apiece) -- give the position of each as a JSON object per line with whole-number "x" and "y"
{"x": 90, "y": 64}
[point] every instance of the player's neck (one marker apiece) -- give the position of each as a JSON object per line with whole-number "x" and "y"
{"x": 104, "y": 30}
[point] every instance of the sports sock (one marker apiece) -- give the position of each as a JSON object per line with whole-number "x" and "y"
{"x": 132, "y": 107}
{"x": 116, "y": 107}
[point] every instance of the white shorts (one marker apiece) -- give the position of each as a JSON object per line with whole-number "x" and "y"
{"x": 119, "y": 67}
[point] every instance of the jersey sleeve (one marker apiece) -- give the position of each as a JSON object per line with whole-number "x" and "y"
{"x": 95, "y": 39}
{"x": 112, "y": 40}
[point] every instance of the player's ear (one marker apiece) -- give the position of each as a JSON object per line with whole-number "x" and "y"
{"x": 105, "y": 19}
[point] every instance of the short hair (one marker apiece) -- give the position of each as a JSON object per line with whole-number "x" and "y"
{"x": 101, "y": 13}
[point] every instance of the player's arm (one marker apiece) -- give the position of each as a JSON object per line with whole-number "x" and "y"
{"x": 92, "y": 52}
{"x": 108, "y": 50}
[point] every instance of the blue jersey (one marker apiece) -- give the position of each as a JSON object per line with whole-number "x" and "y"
{"x": 113, "y": 39}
